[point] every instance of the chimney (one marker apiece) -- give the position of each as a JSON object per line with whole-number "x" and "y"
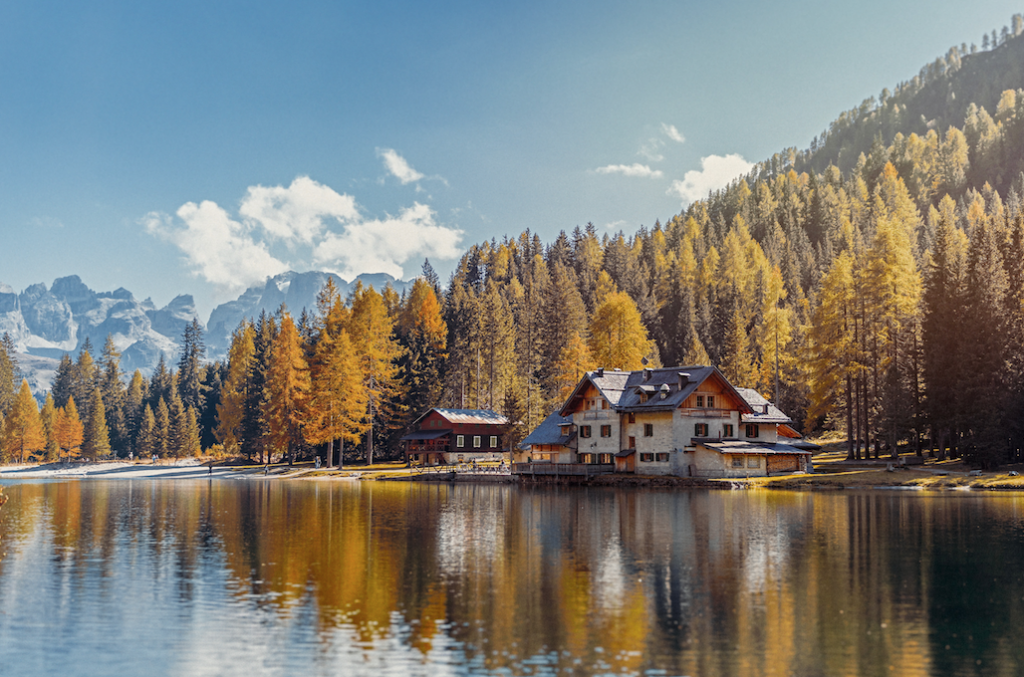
{"x": 647, "y": 374}
{"x": 663, "y": 390}
{"x": 599, "y": 372}
{"x": 684, "y": 378}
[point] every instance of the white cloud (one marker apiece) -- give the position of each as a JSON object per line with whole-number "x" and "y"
{"x": 296, "y": 213}
{"x": 716, "y": 172}
{"x": 671, "y": 132}
{"x": 382, "y": 246}
{"x": 319, "y": 227}
{"x": 217, "y": 247}
{"x": 398, "y": 166}
{"x": 635, "y": 169}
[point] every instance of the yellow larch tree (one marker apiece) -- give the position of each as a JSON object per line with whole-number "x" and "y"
{"x": 618, "y": 337}
{"x": 69, "y": 430}
{"x": 287, "y": 388}
{"x": 23, "y": 433}
{"x": 231, "y": 408}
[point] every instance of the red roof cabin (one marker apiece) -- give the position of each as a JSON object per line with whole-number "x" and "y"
{"x": 449, "y": 436}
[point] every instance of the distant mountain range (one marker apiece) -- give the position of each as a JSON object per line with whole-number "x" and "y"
{"x": 46, "y": 323}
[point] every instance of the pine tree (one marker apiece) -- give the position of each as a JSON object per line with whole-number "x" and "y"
{"x": 135, "y": 403}
{"x": 22, "y": 430}
{"x": 423, "y": 335}
{"x": 96, "y": 441}
{"x": 192, "y": 445}
{"x": 62, "y": 387}
{"x": 146, "y": 442}
{"x": 191, "y": 388}
{"x": 114, "y": 398}
{"x": 162, "y": 435}
{"x": 9, "y": 373}
{"x": 254, "y": 436}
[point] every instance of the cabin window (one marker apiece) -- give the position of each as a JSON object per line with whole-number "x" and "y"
{"x": 752, "y": 430}
{"x": 663, "y": 457}
{"x": 648, "y": 430}
{"x": 605, "y": 458}
{"x": 727, "y": 430}
{"x": 460, "y": 441}
{"x": 476, "y": 441}
{"x": 700, "y": 400}
{"x": 753, "y": 461}
{"x": 494, "y": 441}
{"x": 643, "y": 397}
{"x": 584, "y": 431}
{"x": 632, "y": 442}
{"x": 700, "y": 429}
{"x": 606, "y": 431}
{"x": 632, "y": 418}
{"x": 647, "y": 458}
{"x": 711, "y": 401}
{"x": 737, "y": 461}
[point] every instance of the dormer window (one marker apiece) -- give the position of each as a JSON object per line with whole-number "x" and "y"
{"x": 711, "y": 401}
{"x": 700, "y": 400}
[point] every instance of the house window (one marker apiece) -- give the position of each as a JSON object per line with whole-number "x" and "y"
{"x": 700, "y": 400}
{"x": 648, "y": 430}
{"x": 727, "y": 430}
{"x": 584, "y": 431}
{"x": 476, "y": 441}
{"x": 711, "y": 401}
{"x": 632, "y": 418}
{"x": 606, "y": 431}
{"x": 751, "y": 430}
{"x": 604, "y": 404}
{"x": 460, "y": 441}
{"x": 700, "y": 429}
{"x": 632, "y": 442}
{"x": 494, "y": 441}
{"x": 737, "y": 461}
{"x": 753, "y": 461}
{"x": 586, "y": 458}
{"x": 646, "y": 458}
{"x": 663, "y": 457}
{"x": 605, "y": 458}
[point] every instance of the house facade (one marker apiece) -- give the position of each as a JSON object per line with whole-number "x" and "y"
{"x": 684, "y": 421}
{"x": 450, "y": 436}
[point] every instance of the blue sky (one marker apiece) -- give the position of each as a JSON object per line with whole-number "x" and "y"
{"x": 195, "y": 147}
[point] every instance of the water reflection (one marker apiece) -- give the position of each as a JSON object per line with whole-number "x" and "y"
{"x": 224, "y": 577}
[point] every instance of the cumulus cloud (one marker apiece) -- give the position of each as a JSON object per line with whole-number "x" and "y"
{"x": 296, "y": 213}
{"x": 217, "y": 247}
{"x": 716, "y": 172}
{"x": 383, "y": 245}
{"x": 316, "y": 225}
{"x": 635, "y": 169}
{"x": 397, "y": 165}
{"x": 671, "y": 132}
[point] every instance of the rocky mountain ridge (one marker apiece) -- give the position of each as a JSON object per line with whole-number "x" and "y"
{"x": 44, "y": 323}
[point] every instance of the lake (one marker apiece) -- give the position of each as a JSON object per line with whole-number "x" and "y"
{"x": 247, "y": 577}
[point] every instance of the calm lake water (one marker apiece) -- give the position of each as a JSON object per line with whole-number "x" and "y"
{"x": 230, "y": 577}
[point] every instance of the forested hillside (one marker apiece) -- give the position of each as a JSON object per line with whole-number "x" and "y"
{"x": 878, "y": 276}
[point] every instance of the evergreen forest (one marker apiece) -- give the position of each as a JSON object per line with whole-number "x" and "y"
{"x": 872, "y": 285}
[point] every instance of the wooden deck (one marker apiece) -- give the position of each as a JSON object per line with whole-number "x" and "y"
{"x": 562, "y": 468}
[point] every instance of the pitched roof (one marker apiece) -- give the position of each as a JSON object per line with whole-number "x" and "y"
{"x": 480, "y": 416}
{"x": 763, "y": 410}
{"x": 622, "y": 388}
{"x": 425, "y": 435}
{"x": 549, "y": 431}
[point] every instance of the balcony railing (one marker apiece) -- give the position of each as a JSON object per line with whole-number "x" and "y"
{"x": 597, "y": 415}
{"x": 562, "y": 468}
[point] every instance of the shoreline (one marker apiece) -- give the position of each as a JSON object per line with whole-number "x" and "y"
{"x": 832, "y": 473}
